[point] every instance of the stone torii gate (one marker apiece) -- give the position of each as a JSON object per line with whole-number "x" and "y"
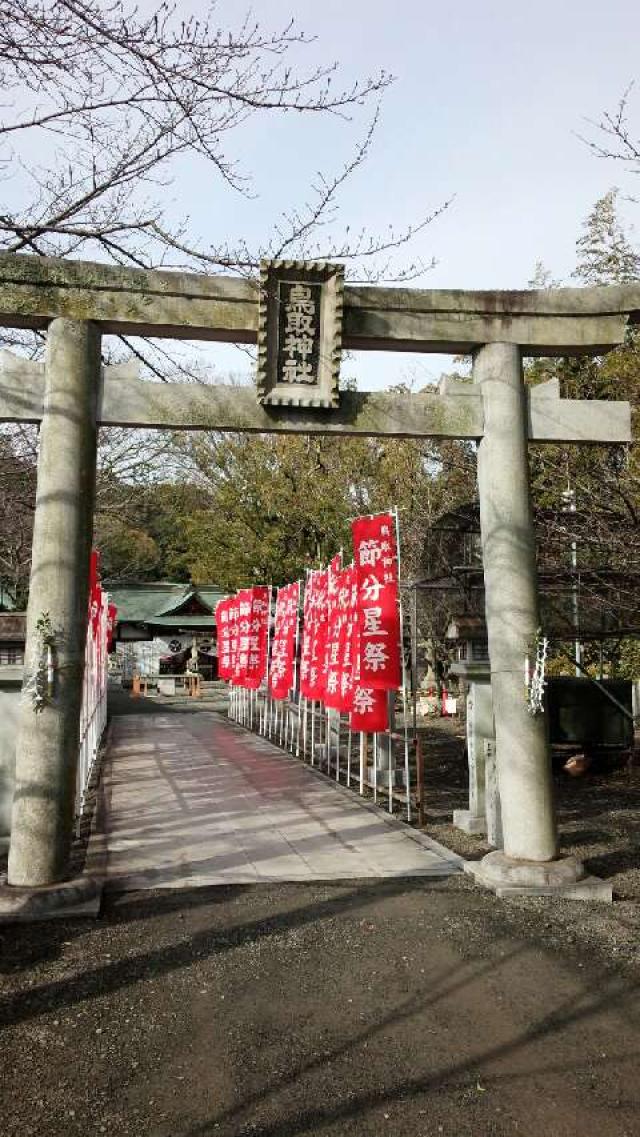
{"x": 70, "y": 395}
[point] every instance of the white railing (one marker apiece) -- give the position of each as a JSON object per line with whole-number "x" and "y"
{"x": 93, "y": 715}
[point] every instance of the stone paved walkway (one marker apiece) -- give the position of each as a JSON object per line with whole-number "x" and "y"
{"x": 190, "y": 799}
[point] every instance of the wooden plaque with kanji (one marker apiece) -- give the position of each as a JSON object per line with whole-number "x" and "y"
{"x": 299, "y": 333}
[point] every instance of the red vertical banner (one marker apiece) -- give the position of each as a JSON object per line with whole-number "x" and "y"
{"x": 234, "y": 634}
{"x": 284, "y": 641}
{"x": 338, "y": 682}
{"x": 312, "y": 674}
{"x": 376, "y": 559}
{"x": 308, "y": 633}
{"x": 258, "y": 637}
{"x": 241, "y": 662}
{"x": 331, "y": 663}
{"x": 95, "y": 592}
{"x": 349, "y": 641}
{"x": 223, "y": 629}
{"x": 112, "y": 619}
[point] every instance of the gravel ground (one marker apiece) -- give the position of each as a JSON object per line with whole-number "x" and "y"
{"x": 366, "y": 1008}
{"x": 599, "y": 821}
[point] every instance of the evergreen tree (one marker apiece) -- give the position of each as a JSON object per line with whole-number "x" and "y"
{"x": 605, "y": 254}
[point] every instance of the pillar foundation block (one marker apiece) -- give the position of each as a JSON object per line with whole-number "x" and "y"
{"x": 81, "y": 896}
{"x": 469, "y": 822}
{"x": 565, "y": 877}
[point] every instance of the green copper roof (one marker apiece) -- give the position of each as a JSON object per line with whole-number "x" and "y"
{"x": 188, "y": 622}
{"x": 143, "y": 603}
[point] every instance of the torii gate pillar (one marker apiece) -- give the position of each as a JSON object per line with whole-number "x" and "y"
{"x": 528, "y": 861}
{"x": 48, "y": 739}
{"x": 511, "y": 591}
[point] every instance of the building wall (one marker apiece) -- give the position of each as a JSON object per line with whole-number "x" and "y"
{"x": 142, "y": 657}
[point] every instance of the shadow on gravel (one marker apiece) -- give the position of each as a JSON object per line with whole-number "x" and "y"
{"x": 113, "y": 976}
{"x": 358, "y": 1105}
{"x": 34, "y": 944}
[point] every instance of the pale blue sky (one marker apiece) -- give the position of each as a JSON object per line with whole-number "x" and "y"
{"x": 489, "y": 99}
{"x": 488, "y": 102}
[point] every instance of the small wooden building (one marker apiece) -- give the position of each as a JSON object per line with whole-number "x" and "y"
{"x": 162, "y": 626}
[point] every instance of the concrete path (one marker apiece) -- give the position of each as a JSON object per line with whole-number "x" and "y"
{"x": 190, "y": 799}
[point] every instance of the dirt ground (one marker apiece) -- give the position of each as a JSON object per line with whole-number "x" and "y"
{"x": 599, "y": 821}
{"x": 367, "y": 1008}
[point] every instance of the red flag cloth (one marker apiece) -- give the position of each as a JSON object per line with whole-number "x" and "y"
{"x": 223, "y": 628}
{"x": 335, "y": 615}
{"x": 112, "y": 617}
{"x": 94, "y": 567}
{"x": 97, "y": 601}
{"x": 258, "y": 637}
{"x": 312, "y": 673}
{"x": 369, "y": 713}
{"x": 338, "y": 654}
{"x": 331, "y": 663}
{"x": 95, "y": 592}
{"x": 284, "y": 641}
{"x": 308, "y": 632}
{"x": 349, "y": 641}
{"x": 242, "y": 636}
{"x": 376, "y": 560}
{"x": 234, "y": 633}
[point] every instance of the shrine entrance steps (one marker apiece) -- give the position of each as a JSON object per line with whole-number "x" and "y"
{"x": 189, "y": 799}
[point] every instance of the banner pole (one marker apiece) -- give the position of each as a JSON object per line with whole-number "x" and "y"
{"x": 265, "y": 679}
{"x": 375, "y": 768}
{"x": 304, "y": 727}
{"x": 338, "y": 750}
{"x": 404, "y": 681}
{"x": 390, "y": 699}
{"x": 363, "y": 749}
{"x": 295, "y": 721}
{"x": 348, "y": 755}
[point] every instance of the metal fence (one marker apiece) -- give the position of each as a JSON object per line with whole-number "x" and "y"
{"x": 386, "y": 765}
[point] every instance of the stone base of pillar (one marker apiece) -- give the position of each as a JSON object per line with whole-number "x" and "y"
{"x": 469, "y": 822}
{"x": 564, "y": 878}
{"x": 63, "y": 901}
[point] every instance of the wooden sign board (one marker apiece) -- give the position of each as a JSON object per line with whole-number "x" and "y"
{"x": 299, "y": 333}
